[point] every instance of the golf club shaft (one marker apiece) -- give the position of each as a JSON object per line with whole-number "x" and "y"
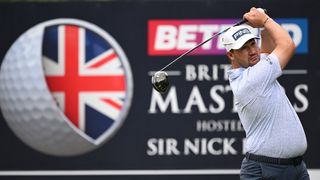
{"x": 215, "y": 35}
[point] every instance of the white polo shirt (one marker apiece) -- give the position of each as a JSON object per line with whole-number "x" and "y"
{"x": 271, "y": 124}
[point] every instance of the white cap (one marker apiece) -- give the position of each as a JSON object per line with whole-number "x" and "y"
{"x": 237, "y": 36}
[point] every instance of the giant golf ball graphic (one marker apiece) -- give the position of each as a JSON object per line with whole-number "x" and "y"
{"x": 48, "y": 111}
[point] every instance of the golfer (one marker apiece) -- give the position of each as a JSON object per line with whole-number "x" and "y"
{"x": 275, "y": 137}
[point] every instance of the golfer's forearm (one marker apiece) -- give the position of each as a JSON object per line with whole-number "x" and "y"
{"x": 283, "y": 44}
{"x": 267, "y": 44}
{"x": 280, "y": 37}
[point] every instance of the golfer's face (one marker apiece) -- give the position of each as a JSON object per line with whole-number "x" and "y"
{"x": 248, "y": 54}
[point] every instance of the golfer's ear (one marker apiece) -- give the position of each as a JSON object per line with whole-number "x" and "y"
{"x": 230, "y": 55}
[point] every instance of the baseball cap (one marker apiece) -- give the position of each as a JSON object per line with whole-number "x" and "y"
{"x": 237, "y": 36}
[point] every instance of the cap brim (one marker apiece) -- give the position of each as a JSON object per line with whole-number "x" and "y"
{"x": 243, "y": 40}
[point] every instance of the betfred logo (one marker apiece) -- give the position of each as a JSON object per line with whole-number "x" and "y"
{"x": 174, "y": 37}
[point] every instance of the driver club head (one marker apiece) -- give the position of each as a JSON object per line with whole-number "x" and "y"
{"x": 160, "y": 81}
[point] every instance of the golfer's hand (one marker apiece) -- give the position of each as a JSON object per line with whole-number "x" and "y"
{"x": 256, "y": 18}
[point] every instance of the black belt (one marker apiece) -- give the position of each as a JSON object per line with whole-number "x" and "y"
{"x": 281, "y": 161}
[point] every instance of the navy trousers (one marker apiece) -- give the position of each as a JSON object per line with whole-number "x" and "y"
{"x": 253, "y": 170}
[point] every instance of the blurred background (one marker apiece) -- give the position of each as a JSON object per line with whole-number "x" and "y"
{"x": 76, "y": 95}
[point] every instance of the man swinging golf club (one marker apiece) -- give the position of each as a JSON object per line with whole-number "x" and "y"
{"x": 276, "y": 140}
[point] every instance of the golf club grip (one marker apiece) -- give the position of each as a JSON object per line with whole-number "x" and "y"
{"x": 245, "y": 21}
{"x": 241, "y": 22}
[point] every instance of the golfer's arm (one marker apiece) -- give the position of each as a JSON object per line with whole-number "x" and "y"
{"x": 267, "y": 44}
{"x": 279, "y": 42}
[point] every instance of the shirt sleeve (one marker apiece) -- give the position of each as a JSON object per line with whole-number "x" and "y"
{"x": 262, "y": 75}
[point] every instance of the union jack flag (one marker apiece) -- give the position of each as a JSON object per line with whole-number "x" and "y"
{"x": 85, "y": 76}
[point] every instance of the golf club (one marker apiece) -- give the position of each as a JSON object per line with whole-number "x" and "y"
{"x": 160, "y": 80}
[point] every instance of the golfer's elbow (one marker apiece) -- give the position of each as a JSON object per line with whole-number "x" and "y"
{"x": 287, "y": 49}
{"x": 290, "y": 47}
